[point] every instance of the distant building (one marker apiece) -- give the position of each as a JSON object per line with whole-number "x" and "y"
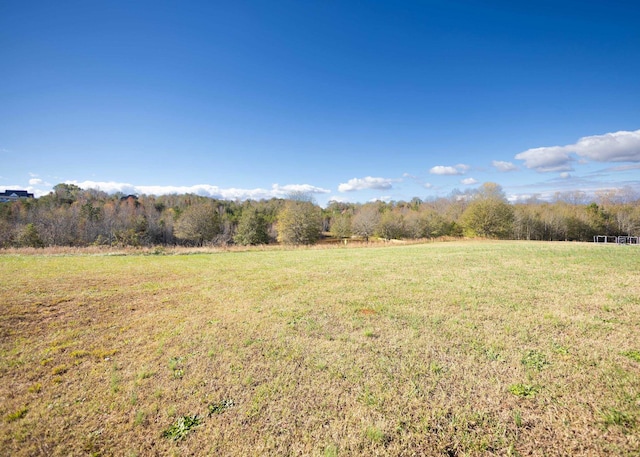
{"x": 14, "y": 195}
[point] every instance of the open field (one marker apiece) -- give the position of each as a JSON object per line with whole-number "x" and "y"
{"x": 461, "y": 348}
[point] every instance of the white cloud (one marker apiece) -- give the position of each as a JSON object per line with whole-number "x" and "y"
{"x": 365, "y": 183}
{"x": 305, "y": 188}
{"x": 459, "y": 169}
{"x": 469, "y": 181}
{"x": 611, "y": 147}
{"x": 545, "y": 159}
{"x": 620, "y": 146}
{"x": 338, "y": 198}
{"x": 204, "y": 190}
{"x": 427, "y": 185}
{"x": 504, "y": 166}
{"x": 441, "y": 170}
{"x": 39, "y": 182}
{"x": 108, "y": 186}
{"x": 565, "y": 175}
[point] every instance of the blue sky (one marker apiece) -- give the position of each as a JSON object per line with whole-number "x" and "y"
{"x": 348, "y": 100}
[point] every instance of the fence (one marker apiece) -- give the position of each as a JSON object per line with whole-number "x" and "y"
{"x": 616, "y": 239}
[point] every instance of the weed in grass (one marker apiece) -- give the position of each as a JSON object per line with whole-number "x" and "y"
{"x": 35, "y": 388}
{"x": 140, "y": 418}
{"x": 248, "y": 342}
{"x": 104, "y": 354}
{"x": 517, "y": 418}
{"x": 369, "y": 333}
{"x": 79, "y": 353}
{"x": 330, "y": 451}
{"x": 178, "y": 374}
{"x": 115, "y": 380}
{"x": 59, "y": 369}
{"x": 368, "y": 398}
{"x": 523, "y": 390}
{"x": 435, "y": 367}
{"x": 144, "y": 373}
{"x": 89, "y": 441}
{"x": 613, "y": 416}
{"x": 45, "y": 362}
{"x": 559, "y": 348}
{"x": 535, "y": 360}
{"x": 175, "y": 363}
{"x": 632, "y": 354}
{"x": 16, "y": 415}
{"x": 376, "y": 435}
{"x": 493, "y": 355}
{"x": 182, "y": 427}
{"x": 262, "y": 396}
{"x": 220, "y": 407}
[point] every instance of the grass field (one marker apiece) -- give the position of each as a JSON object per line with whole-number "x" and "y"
{"x": 461, "y": 348}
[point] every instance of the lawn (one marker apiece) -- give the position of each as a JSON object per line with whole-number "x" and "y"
{"x": 459, "y": 348}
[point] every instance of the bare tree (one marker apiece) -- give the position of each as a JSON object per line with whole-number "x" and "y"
{"x": 365, "y": 221}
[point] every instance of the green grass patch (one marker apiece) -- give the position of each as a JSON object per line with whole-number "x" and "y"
{"x": 59, "y": 369}
{"x": 524, "y": 390}
{"x": 17, "y": 414}
{"x": 220, "y": 407}
{"x": 535, "y": 360}
{"x": 612, "y": 416}
{"x": 182, "y": 427}
{"x": 632, "y": 354}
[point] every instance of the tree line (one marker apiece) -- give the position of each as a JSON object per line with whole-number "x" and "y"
{"x": 71, "y": 216}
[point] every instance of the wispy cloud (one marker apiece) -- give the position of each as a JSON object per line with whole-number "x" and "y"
{"x": 204, "y": 190}
{"x": 621, "y": 168}
{"x": 469, "y": 181}
{"x": 338, "y": 198}
{"x": 459, "y": 169}
{"x": 504, "y": 166}
{"x": 383, "y": 198}
{"x": 622, "y": 146}
{"x": 366, "y": 183}
{"x": 39, "y": 182}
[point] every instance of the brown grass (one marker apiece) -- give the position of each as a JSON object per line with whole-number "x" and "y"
{"x": 407, "y": 350}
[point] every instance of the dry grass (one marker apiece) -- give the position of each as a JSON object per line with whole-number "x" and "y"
{"x": 504, "y": 348}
